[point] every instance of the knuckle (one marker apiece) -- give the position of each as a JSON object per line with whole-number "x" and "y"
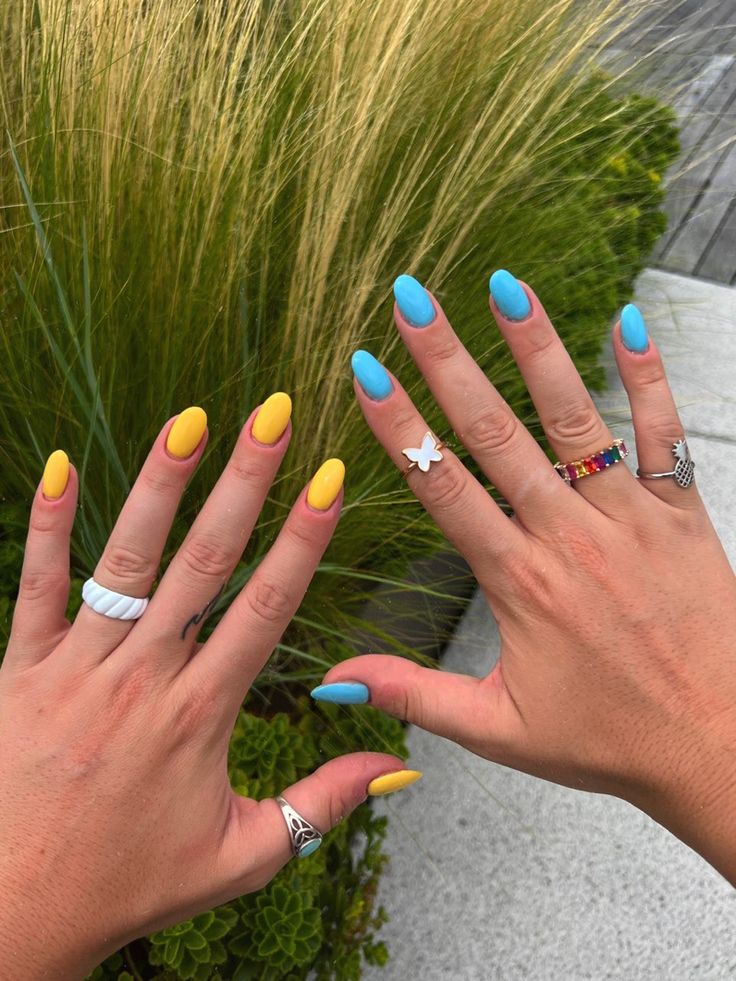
{"x": 493, "y": 430}
{"x": 127, "y": 564}
{"x": 664, "y": 431}
{"x": 406, "y": 423}
{"x": 448, "y": 486}
{"x": 268, "y": 599}
{"x": 578, "y": 423}
{"x": 195, "y": 710}
{"x": 650, "y": 375}
{"x": 160, "y": 481}
{"x": 441, "y": 350}
{"x": 208, "y": 557}
{"x": 247, "y": 470}
{"x": 35, "y": 585}
{"x": 301, "y": 535}
{"x": 43, "y": 522}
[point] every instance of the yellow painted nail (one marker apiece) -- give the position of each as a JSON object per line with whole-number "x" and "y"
{"x": 326, "y": 484}
{"x": 272, "y": 419}
{"x": 56, "y": 475}
{"x": 185, "y": 435}
{"x": 390, "y": 782}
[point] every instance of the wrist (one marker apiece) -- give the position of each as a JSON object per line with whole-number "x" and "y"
{"x": 40, "y": 940}
{"x": 694, "y": 796}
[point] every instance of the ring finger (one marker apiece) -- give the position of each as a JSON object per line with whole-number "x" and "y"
{"x": 568, "y": 415}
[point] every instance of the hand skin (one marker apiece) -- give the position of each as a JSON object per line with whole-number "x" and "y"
{"x": 117, "y": 817}
{"x": 615, "y": 602}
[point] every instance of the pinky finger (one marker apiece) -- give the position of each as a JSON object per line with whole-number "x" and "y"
{"x": 656, "y": 421}
{"x": 39, "y": 621}
{"x": 257, "y": 842}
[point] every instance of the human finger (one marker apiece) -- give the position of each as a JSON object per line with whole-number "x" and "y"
{"x": 129, "y": 563}
{"x": 466, "y": 514}
{"x": 573, "y": 425}
{"x": 243, "y": 640}
{"x": 489, "y": 429}
{"x": 258, "y": 841}
{"x": 475, "y": 712}
{"x": 200, "y": 569}
{"x": 660, "y": 438}
{"x": 39, "y": 620}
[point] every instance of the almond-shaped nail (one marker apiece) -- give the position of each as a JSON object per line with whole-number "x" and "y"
{"x": 509, "y": 295}
{"x": 634, "y": 330}
{"x": 55, "y": 475}
{"x": 342, "y": 693}
{"x": 272, "y": 419}
{"x": 413, "y": 300}
{"x": 326, "y": 484}
{"x": 390, "y": 782}
{"x": 186, "y": 433}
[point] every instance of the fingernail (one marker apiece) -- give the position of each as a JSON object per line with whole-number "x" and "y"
{"x": 185, "y": 435}
{"x": 390, "y": 782}
{"x": 55, "y": 475}
{"x": 509, "y": 295}
{"x": 326, "y": 484}
{"x": 342, "y": 693}
{"x": 372, "y": 376}
{"x": 414, "y": 302}
{"x": 272, "y": 419}
{"x": 633, "y": 329}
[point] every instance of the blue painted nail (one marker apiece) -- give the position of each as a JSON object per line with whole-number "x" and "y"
{"x": 633, "y": 329}
{"x": 371, "y": 374}
{"x": 509, "y": 295}
{"x": 342, "y": 693}
{"x": 310, "y": 848}
{"x": 414, "y": 302}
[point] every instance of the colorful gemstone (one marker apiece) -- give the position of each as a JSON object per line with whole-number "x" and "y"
{"x": 572, "y": 472}
{"x": 615, "y": 454}
{"x": 581, "y": 469}
{"x": 590, "y": 466}
{"x": 600, "y": 461}
{"x": 608, "y": 457}
{"x": 623, "y": 449}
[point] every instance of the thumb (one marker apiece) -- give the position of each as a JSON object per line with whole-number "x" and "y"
{"x": 475, "y": 712}
{"x": 257, "y": 841}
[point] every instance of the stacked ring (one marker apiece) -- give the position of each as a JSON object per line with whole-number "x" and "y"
{"x": 594, "y": 463}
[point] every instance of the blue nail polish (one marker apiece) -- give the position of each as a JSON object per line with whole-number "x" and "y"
{"x": 633, "y": 329}
{"x": 373, "y": 377}
{"x": 342, "y": 693}
{"x": 509, "y": 295}
{"x": 414, "y": 302}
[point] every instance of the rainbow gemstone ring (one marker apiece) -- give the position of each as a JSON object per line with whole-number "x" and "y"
{"x": 594, "y": 463}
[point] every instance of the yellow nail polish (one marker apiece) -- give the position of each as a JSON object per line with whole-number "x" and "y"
{"x": 56, "y": 475}
{"x": 272, "y": 419}
{"x": 326, "y": 484}
{"x": 390, "y": 782}
{"x": 187, "y": 431}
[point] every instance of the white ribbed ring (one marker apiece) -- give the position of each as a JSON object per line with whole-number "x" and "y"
{"x": 117, "y": 606}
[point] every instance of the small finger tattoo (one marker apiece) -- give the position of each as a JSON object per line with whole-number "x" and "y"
{"x": 199, "y": 617}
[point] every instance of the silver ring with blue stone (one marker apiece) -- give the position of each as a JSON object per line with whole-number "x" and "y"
{"x": 305, "y": 838}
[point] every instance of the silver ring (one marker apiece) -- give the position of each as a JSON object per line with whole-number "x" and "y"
{"x": 117, "y": 606}
{"x": 305, "y": 838}
{"x": 684, "y": 472}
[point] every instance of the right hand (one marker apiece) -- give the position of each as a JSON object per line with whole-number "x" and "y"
{"x": 117, "y": 817}
{"x": 614, "y": 599}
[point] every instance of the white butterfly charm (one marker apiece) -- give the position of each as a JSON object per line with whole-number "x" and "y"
{"x": 422, "y": 456}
